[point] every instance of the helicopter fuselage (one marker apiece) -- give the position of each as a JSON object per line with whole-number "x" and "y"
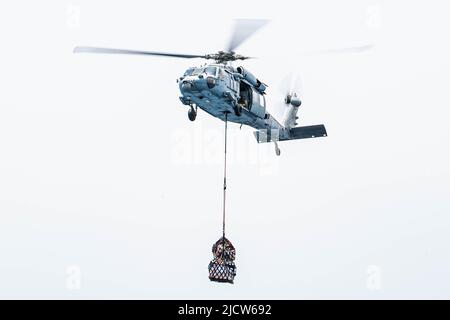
{"x": 219, "y": 89}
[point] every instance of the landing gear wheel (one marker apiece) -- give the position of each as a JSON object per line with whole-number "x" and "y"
{"x": 192, "y": 114}
{"x": 238, "y": 109}
{"x": 277, "y": 150}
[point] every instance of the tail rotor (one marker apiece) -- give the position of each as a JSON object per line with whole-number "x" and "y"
{"x": 292, "y": 89}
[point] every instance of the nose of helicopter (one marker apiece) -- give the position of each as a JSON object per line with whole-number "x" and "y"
{"x": 196, "y": 83}
{"x": 186, "y": 85}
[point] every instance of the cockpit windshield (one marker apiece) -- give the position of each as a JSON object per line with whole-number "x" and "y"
{"x": 211, "y": 71}
{"x": 196, "y": 71}
{"x": 188, "y": 72}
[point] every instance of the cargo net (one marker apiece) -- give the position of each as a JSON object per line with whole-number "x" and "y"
{"x": 222, "y": 267}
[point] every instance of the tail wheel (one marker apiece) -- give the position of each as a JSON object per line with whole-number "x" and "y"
{"x": 277, "y": 150}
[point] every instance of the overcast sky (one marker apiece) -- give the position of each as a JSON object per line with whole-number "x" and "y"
{"x": 107, "y": 190}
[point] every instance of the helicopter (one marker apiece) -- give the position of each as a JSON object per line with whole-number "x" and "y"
{"x": 232, "y": 93}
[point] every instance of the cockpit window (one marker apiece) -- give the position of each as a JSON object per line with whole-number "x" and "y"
{"x": 196, "y": 71}
{"x": 211, "y": 71}
{"x": 188, "y": 72}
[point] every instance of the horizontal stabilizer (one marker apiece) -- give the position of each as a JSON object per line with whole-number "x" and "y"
{"x": 306, "y": 132}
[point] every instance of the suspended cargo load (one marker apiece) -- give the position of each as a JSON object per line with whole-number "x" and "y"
{"x": 222, "y": 267}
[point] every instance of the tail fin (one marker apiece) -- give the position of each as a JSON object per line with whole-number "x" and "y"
{"x": 306, "y": 132}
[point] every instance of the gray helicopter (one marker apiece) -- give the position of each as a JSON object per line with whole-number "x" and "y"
{"x": 232, "y": 93}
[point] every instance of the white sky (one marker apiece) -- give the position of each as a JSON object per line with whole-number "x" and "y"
{"x": 102, "y": 175}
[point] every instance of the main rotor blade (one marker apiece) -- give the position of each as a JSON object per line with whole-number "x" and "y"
{"x": 343, "y": 50}
{"x": 136, "y": 52}
{"x": 243, "y": 29}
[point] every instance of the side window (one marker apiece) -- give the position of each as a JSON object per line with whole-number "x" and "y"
{"x": 236, "y": 86}
{"x": 255, "y": 98}
{"x": 211, "y": 71}
{"x": 231, "y": 83}
{"x": 228, "y": 77}
{"x": 263, "y": 101}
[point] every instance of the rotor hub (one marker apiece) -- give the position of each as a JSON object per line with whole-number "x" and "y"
{"x": 222, "y": 56}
